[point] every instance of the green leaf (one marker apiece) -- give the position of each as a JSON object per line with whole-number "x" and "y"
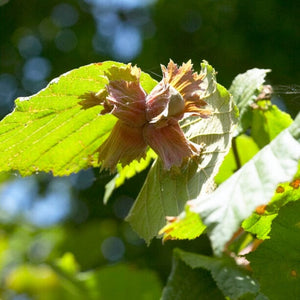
{"x": 231, "y": 279}
{"x": 187, "y": 225}
{"x": 267, "y": 122}
{"x": 51, "y": 131}
{"x": 259, "y": 223}
{"x": 229, "y": 165}
{"x": 245, "y": 88}
{"x": 165, "y": 193}
{"x": 185, "y": 283}
{"x": 253, "y": 185}
{"x": 121, "y": 282}
{"x": 276, "y": 262}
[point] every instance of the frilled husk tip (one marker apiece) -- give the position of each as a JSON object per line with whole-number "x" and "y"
{"x": 150, "y": 120}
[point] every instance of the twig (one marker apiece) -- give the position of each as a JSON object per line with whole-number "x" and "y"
{"x": 236, "y": 154}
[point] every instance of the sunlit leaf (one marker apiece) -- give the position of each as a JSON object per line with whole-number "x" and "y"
{"x": 259, "y": 223}
{"x": 52, "y": 131}
{"x": 165, "y": 192}
{"x": 276, "y": 262}
{"x": 187, "y": 225}
{"x": 229, "y": 165}
{"x": 267, "y": 122}
{"x": 253, "y": 185}
{"x": 245, "y": 88}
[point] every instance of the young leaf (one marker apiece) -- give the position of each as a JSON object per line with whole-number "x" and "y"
{"x": 259, "y": 223}
{"x": 245, "y": 88}
{"x": 251, "y": 186}
{"x": 185, "y": 283}
{"x": 187, "y": 225}
{"x": 52, "y": 131}
{"x": 165, "y": 193}
{"x": 229, "y": 165}
{"x": 267, "y": 122}
{"x": 276, "y": 263}
{"x": 231, "y": 279}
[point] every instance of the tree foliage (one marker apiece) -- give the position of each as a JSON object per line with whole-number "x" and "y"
{"x": 56, "y": 131}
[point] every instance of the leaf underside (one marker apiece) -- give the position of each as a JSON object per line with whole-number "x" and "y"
{"x": 245, "y": 88}
{"x": 253, "y": 185}
{"x": 259, "y": 223}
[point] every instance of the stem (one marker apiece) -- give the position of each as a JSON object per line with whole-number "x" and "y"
{"x": 236, "y": 154}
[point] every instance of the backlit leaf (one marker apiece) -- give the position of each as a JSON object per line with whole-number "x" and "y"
{"x": 52, "y": 131}
{"x": 229, "y": 165}
{"x": 245, "y": 88}
{"x": 187, "y": 225}
{"x": 253, "y": 185}
{"x": 267, "y": 122}
{"x": 259, "y": 223}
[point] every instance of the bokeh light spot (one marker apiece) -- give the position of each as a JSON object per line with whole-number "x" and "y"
{"x": 120, "y": 4}
{"x": 113, "y": 248}
{"x": 66, "y": 40}
{"x": 122, "y": 206}
{"x": 33, "y": 86}
{"x": 29, "y": 46}
{"x": 52, "y": 208}
{"x": 127, "y": 43}
{"x": 83, "y": 179}
{"x": 48, "y": 29}
{"x": 8, "y": 88}
{"x": 16, "y": 196}
{"x": 64, "y": 15}
{"x": 37, "y": 68}
{"x": 107, "y": 23}
{"x": 40, "y": 248}
{"x": 99, "y": 44}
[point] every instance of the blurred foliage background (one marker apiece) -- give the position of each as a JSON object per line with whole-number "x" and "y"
{"x": 57, "y": 239}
